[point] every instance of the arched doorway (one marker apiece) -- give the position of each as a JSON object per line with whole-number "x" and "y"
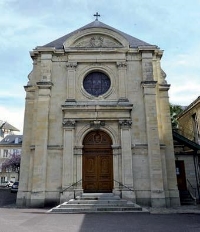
{"x": 97, "y": 162}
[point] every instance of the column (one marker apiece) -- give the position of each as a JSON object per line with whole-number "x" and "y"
{"x": 154, "y": 154}
{"x": 71, "y": 88}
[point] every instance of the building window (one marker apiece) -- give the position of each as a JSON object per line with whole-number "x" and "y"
{"x": 195, "y": 128}
{"x": 5, "y": 153}
{"x": 96, "y": 83}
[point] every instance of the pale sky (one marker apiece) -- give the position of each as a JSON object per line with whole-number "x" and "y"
{"x": 172, "y": 25}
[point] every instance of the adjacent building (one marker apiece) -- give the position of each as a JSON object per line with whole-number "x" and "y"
{"x": 10, "y": 146}
{"x": 187, "y": 150}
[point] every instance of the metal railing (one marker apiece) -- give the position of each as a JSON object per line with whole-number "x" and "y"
{"x": 124, "y": 186}
{"x": 192, "y": 191}
{"x": 70, "y": 186}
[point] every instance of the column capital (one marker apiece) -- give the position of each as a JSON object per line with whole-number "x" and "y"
{"x": 71, "y": 65}
{"x": 125, "y": 123}
{"x": 78, "y": 150}
{"x": 121, "y": 64}
{"x": 69, "y": 123}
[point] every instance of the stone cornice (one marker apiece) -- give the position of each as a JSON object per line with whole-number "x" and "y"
{"x": 29, "y": 88}
{"x": 106, "y": 104}
{"x": 149, "y": 84}
{"x": 97, "y": 110}
{"x": 164, "y": 87}
{"x": 44, "y": 84}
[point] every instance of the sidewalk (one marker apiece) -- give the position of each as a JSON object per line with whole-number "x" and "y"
{"x": 184, "y": 209}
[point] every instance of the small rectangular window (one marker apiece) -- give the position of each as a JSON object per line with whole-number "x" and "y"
{"x": 5, "y": 153}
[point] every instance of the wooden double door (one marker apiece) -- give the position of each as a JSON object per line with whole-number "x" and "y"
{"x": 97, "y": 162}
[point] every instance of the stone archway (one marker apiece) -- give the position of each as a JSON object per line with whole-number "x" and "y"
{"x": 97, "y": 162}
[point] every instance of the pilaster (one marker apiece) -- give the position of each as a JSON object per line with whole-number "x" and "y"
{"x": 26, "y": 168}
{"x": 154, "y": 154}
{"x": 46, "y": 67}
{"x": 147, "y": 66}
{"x": 127, "y": 167}
{"x": 122, "y": 66}
{"x": 68, "y": 152}
{"x": 41, "y": 141}
{"x": 71, "y": 71}
{"x": 169, "y": 148}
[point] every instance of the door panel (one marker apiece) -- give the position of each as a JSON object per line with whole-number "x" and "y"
{"x": 90, "y": 173}
{"x": 97, "y": 163}
{"x": 97, "y": 174}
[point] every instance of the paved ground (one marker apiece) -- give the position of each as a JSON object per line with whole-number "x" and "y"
{"x": 37, "y": 220}
{"x": 6, "y": 197}
{"x": 180, "y": 219}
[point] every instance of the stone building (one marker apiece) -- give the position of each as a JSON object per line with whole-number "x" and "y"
{"x": 187, "y": 151}
{"x": 97, "y": 120}
{"x": 10, "y": 146}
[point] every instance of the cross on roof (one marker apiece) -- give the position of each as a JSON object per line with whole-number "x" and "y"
{"x": 97, "y": 15}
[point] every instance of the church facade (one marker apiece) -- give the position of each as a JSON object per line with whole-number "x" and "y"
{"x": 97, "y": 120}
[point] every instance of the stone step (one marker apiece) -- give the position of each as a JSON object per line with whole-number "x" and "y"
{"x": 95, "y": 202}
{"x": 97, "y": 209}
{"x": 78, "y": 206}
{"x": 96, "y": 196}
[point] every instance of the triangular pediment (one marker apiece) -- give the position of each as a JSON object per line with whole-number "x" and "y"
{"x": 95, "y": 38}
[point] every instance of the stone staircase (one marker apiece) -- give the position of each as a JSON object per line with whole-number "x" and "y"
{"x": 186, "y": 198}
{"x": 97, "y": 202}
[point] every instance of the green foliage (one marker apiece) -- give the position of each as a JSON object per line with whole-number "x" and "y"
{"x": 175, "y": 110}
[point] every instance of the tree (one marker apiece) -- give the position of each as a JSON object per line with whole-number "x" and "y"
{"x": 175, "y": 110}
{"x": 12, "y": 163}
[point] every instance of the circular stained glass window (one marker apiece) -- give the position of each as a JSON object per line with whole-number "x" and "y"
{"x": 96, "y": 83}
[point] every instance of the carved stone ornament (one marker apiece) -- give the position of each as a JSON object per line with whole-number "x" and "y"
{"x": 97, "y": 124}
{"x": 71, "y": 64}
{"x": 96, "y": 41}
{"x": 121, "y": 64}
{"x": 125, "y": 123}
{"x": 163, "y": 76}
{"x": 69, "y": 123}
